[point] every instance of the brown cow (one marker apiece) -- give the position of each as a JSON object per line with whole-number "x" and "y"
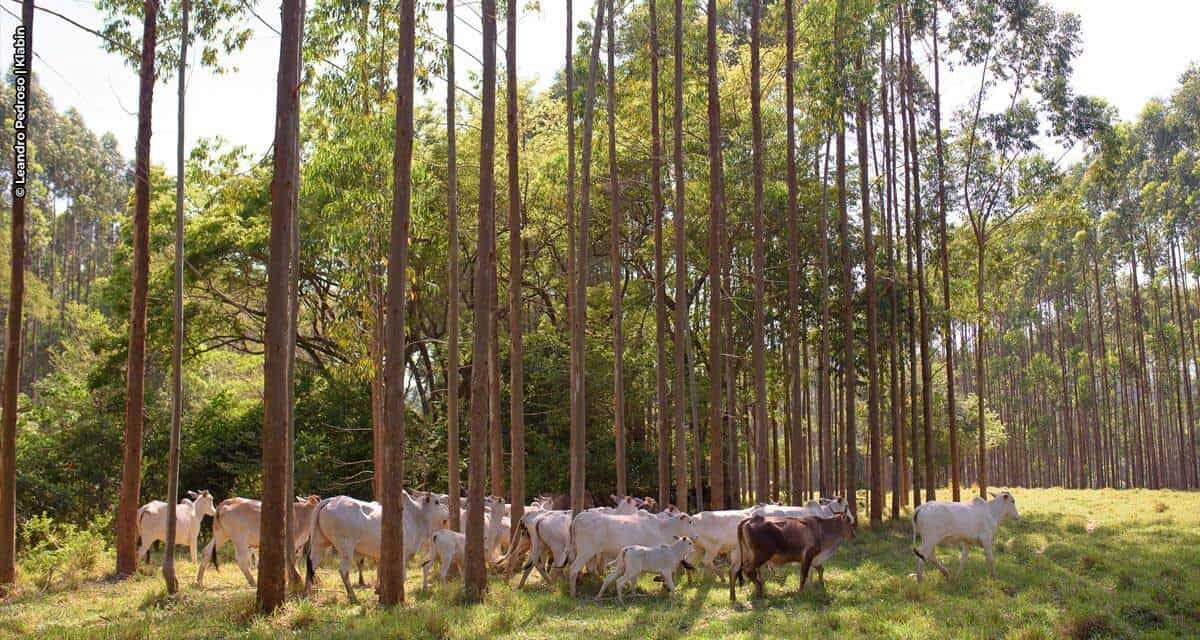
{"x": 779, "y": 540}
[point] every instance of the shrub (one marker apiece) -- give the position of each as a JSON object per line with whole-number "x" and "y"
{"x": 56, "y": 553}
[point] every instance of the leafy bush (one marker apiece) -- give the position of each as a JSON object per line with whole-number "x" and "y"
{"x": 60, "y": 553}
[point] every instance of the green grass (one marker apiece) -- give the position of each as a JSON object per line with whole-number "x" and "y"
{"x": 1136, "y": 574}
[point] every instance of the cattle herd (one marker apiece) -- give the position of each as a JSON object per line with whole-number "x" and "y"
{"x": 632, "y": 537}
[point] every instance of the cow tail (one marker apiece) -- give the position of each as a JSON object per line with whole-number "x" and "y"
{"x": 916, "y": 512}
{"x": 314, "y": 530}
{"x": 216, "y": 527}
{"x": 569, "y": 554}
{"x": 512, "y": 542}
{"x": 742, "y": 548}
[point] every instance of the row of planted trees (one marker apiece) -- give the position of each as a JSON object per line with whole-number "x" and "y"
{"x": 871, "y": 292}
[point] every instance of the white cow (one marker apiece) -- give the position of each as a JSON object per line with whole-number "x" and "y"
{"x": 237, "y": 520}
{"x": 823, "y": 508}
{"x": 352, "y": 526}
{"x": 189, "y": 513}
{"x": 448, "y": 548}
{"x": 960, "y": 523}
{"x": 716, "y": 533}
{"x": 635, "y": 560}
{"x": 599, "y": 535}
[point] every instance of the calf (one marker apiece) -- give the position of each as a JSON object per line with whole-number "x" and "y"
{"x": 237, "y": 520}
{"x": 189, "y": 513}
{"x": 448, "y": 548}
{"x": 598, "y": 535}
{"x": 775, "y": 540}
{"x": 635, "y": 560}
{"x": 960, "y": 523}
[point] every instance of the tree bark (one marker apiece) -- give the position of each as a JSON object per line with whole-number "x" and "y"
{"x": 272, "y": 576}
{"x": 452, "y": 420}
{"x": 758, "y": 348}
{"x": 578, "y": 481}
{"x": 135, "y": 370}
{"x": 678, "y": 216}
{"x": 475, "y": 569}
{"x": 391, "y": 561}
{"x": 516, "y": 266}
{"x": 875, "y": 475}
{"x": 716, "y": 283}
{"x": 168, "y": 568}
{"x": 12, "y": 345}
{"x": 614, "y": 232}
{"x": 795, "y": 380}
{"x": 660, "y": 282}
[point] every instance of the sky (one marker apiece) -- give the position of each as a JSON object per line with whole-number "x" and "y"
{"x": 1131, "y": 52}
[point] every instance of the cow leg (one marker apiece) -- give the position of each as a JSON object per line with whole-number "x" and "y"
{"x": 821, "y": 576}
{"x": 991, "y": 558}
{"x": 962, "y": 557}
{"x": 573, "y": 572}
{"x": 144, "y": 551}
{"x": 805, "y": 566}
{"x": 242, "y": 553}
{"x": 317, "y": 546}
{"x": 207, "y": 553}
{"x": 361, "y": 582}
{"x": 756, "y": 576}
{"x": 344, "y": 569}
{"x": 609, "y": 579}
{"x": 668, "y": 581}
{"x": 621, "y": 582}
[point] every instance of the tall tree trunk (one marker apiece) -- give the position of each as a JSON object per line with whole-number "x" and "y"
{"x": 875, "y": 476}
{"x": 824, "y": 392}
{"x": 452, "y": 421}
{"x": 758, "y": 348}
{"x": 889, "y": 209}
{"x": 391, "y": 561}
{"x": 135, "y": 370}
{"x": 614, "y": 232}
{"x": 576, "y": 357}
{"x": 716, "y": 283}
{"x": 516, "y": 268}
{"x": 922, "y": 297}
{"x": 582, "y": 262}
{"x": 168, "y": 568}
{"x": 951, "y": 414}
{"x": 272, "y": 576}
{"x": 678, "y": 216}
{"x": 660, "y": 284}
{"x": 794, "y": 378}
{"x": 849, "y": 374}
{"x": 16, "y": 298}
{"x": 475, "y": 567}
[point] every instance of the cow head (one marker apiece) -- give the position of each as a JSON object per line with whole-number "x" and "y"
{"x": 202, "y": 503}
{"x": 681, "y": 524}
{"x": 1006, "y": 505}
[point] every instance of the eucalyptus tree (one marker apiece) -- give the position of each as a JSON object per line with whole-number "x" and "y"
{"x": 716, "y": 281}
{"x": 662, "y": 426}
{"x": 391, "y": 560}
{"x": 453, "y": 273}
{"x": 758, "y": 348}
{"x": 272, "y": 578}
{"x": 678, "y": 216}
{"x": 516, "y": 265}
{"x": 12, "y": 344}
{"x": 615, "y": 263}
{"x": 578, "y": 475}
{"x": 474, "y": 564}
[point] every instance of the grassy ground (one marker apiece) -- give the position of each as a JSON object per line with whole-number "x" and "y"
{"x": 1081, "y": 564}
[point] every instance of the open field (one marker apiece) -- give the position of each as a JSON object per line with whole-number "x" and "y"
{"x": 1083, "y": 564}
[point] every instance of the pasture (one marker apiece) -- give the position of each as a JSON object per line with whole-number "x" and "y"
{"x": 1079, "y": 564}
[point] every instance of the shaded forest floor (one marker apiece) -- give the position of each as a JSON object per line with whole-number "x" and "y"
{"x": 1080, "y": 564}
